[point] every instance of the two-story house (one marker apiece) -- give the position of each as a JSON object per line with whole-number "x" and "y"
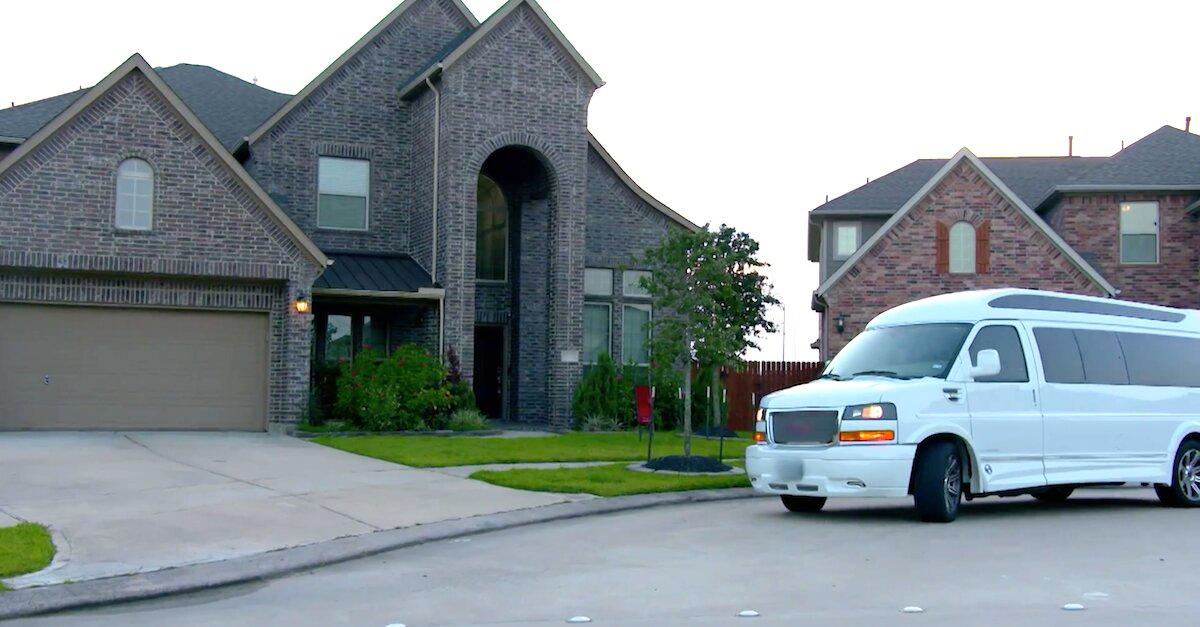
{"x": 1124, "y": 226}
{"x": 179, "y": 247}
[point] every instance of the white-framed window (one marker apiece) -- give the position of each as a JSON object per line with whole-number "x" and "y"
{"x": 491, "y": 231}
{"x": 1139, "y": 232}
{"x": 962, "y": 248}
{"x": 847, "y": 237}
{"x": 597, "y": 331}
{"x": 631, "y": 283}
{"x": 597, "y": 282}
{"x": 135, "y": 195}
{"x": 635, "y": 334}
{"x": 343, "y": 193}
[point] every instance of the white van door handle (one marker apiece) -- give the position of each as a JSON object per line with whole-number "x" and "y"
{"x": 953, "y": 394}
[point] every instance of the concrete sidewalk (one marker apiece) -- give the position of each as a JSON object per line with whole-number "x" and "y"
{"x": 122, "y": 503}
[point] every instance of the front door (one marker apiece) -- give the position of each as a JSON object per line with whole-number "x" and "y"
{"x": 1006, "y": 421}
{"x": 489, "y": 370}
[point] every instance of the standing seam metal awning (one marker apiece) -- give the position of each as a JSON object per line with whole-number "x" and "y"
{"x": 367, "y": 273}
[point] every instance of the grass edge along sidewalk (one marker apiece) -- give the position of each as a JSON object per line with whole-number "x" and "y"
{"x": 24, "y": 548}
{"x": 606, "y": 481}
{"x": 435, "y": 452}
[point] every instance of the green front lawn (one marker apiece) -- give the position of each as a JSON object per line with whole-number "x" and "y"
{"x": 433, "y": 451}
{"x": 24, "y": 548}
{"x": 613, "y": 480}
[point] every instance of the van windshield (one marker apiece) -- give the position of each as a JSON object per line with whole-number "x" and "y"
{"x": 907, "y": 352}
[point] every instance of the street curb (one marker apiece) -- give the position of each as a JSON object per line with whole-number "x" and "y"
{"x": 194, "y": 578}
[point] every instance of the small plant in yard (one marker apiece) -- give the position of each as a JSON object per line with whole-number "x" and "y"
{"x": 470, "y": 419}
{"x": 406, "y": 391}
{"x": 597, "y": 423}
{"x": 606, "y": 392}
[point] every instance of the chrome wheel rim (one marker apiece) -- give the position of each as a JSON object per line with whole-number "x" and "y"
{"x": 952, "y": 483}
{"x": 1189, "y": 474}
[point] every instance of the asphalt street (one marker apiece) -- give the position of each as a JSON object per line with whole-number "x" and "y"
{"x": 1015, "y": 561}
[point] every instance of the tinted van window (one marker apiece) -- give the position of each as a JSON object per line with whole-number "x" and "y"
{"x": 1004, "y": 340}
{"x": 1103, "y": 361}
{"x": 1060, "y": 355}
{"x": 1161, "y": 359}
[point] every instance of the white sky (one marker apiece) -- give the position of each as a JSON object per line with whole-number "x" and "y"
{"x": 747, "y": 112}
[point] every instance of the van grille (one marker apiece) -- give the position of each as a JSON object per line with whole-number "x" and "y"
{"x": 804, "y": 427}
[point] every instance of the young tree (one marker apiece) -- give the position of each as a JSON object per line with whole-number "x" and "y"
{"x": 713, "y": 303}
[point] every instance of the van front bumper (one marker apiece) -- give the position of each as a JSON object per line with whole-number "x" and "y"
{"x": 867, "y": 470}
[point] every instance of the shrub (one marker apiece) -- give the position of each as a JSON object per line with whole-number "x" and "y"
{"x": 668, "y": 409}
{"x": 460, "y": 388}
{"x": 406, "y": 391}
{"x": 600, "y": 424}
{"x": 597, "y": 394}
{"x": 467, "y": 420}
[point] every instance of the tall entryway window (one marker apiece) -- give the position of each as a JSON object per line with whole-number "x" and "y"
{"x": 491, "y": 234}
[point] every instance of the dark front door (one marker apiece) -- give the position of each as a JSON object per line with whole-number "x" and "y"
{"x": 489, "y": 370}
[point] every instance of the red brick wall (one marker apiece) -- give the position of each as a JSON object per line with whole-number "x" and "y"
{"x": 1090, "y": 223}
{"x": 901, "y": 266}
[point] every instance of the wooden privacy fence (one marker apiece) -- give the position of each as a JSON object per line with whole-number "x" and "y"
{"x": 746, "y": 386}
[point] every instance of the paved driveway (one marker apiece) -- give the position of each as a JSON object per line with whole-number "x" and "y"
{"x": 120, "y": 503}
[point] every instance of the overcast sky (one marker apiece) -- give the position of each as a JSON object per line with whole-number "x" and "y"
{"x": 746, "y": 112}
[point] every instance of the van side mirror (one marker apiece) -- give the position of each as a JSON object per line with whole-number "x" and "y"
{"x": 987, "y": 364}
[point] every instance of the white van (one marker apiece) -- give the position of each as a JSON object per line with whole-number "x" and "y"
{"x": 994, "y": 392}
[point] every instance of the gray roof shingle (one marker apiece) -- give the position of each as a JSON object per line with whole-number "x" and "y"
{"x": 230, "y": 107}
{"x": 1166, "y": 157}
{"x": 373, "y": 273}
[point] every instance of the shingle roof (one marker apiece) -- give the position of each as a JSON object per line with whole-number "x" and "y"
{"x": 373, "y": 273}
{"x": 1166, "y": 157}
{"x": 1030, "y": 178}
{"x": 229, "y": 106}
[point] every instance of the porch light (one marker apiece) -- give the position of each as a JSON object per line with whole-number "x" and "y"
{"x": 839, "y": 323}
{"x": 303, "y": 303}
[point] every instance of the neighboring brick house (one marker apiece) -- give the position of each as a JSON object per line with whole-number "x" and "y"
{"x": 1124, "y": 226}
{"x": 436, "y": 184}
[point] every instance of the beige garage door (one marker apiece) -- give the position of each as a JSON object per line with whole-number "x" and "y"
{"x": 117, "y": 369}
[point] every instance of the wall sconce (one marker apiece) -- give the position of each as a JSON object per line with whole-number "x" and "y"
{"x": 303, "y": 303}
{"x": 839, "y": 323}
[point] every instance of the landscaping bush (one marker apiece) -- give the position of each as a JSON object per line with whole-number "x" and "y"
{"x": 460, "y": 388}
{"x": 606, "y": 392}
{"x": 407, "y": 391}
{"x": 469, "y": 419}
{"x": 600, "y": 424}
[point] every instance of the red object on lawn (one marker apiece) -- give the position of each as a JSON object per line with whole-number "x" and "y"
{"x": 645, "y": 405}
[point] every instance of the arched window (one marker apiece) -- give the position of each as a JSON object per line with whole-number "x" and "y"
{"x": 962, "y": 248}
{"x": 491, "y": 231}
{"x": 135, "y": 195}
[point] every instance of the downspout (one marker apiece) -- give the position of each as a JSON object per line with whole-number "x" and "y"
{"x": 437, "y": 145}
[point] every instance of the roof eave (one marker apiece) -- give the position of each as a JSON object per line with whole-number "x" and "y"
{"x": 7, "y": 139}
{"x": 424, "y": 293}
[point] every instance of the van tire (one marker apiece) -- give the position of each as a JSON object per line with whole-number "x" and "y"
{"x": 802, "y": 503}
{"x": 937, "y": 482}
{"x": 1184, "y": 490}
{"x": 1054, "y": 494}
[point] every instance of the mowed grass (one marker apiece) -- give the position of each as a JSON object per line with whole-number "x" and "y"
{"x": 611, "y": 480}
{"x": 24, "y": 548}
{"x": 434, "y": 451}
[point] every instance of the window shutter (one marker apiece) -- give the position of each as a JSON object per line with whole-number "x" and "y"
{"x": 982, "y": 246}
{"x": 943, "y": 248}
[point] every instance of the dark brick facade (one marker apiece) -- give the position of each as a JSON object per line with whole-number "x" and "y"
{"x": 212, "y": 245}
{"x": 901, "y": 266}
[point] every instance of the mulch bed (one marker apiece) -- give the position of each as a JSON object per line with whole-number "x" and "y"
{"x": 695, "y": 463}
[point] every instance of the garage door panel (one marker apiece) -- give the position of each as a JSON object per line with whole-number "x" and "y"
{"x": 131, "y": 369}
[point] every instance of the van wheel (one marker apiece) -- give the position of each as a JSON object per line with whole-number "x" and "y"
{"x": 802, "y": 503}
{"x": 1054, "y": 494}
{"x": 937, "y": 483}
{"x": 1184, "y": 490}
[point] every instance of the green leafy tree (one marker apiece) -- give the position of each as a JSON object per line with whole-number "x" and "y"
{"x": 714, "y": 302}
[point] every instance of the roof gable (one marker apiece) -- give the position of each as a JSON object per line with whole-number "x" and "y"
{"x": 137, "y": 64}
{"x": 341, "y": 61}
{"x": 1002, "y": 188}
{"x": 418, "y": 82}
{"x": 628, "y": 181}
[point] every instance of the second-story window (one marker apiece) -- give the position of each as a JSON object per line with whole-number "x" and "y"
{"x": 491, "y": 231}
{"x": 1139, "y": 232}
{"x": 342, "y": 193}
{"x": 962, "y": 248}
{"x": 846, "y": 236}
{"x": 135, "y": 195}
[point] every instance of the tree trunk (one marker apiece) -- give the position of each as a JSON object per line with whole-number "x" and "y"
{"x": 715, "y": 387}
{"x": 687, "y": 408}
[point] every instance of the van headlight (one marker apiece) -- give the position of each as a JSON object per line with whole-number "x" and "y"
{"x": 874, "y": 411}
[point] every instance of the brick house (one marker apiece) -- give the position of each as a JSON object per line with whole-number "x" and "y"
{"x": 183, "y": 249}
{"x": 1124, "y": 226}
